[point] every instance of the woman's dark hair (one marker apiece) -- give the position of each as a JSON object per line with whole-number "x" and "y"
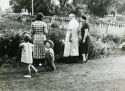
{"x": 39, "y": 16}
{"x": 84, "y": 17}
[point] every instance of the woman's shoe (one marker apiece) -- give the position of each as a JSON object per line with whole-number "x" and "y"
{"x": 86, "y": 60}
{"x": 83, "y": 61}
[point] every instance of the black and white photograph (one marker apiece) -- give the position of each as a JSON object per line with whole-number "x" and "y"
{"x": 62, "y": 45}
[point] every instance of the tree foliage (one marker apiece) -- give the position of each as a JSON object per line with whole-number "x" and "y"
{"x": 121, "y": 9}
{"x": 98, "y": 7}
{"x": 48, "y": 7}
{"x": 45, "y": 6}
{"x": 16, "y": 5}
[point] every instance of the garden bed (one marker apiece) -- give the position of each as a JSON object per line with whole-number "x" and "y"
{"x": 101, "y": 46}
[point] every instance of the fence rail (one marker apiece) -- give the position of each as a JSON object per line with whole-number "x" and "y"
{"x": 98, "y": 26}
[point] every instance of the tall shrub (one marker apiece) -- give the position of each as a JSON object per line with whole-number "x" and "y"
{"x": 57, "y": 35}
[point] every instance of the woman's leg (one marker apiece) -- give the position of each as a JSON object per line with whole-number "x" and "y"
{"x": 86, "y": 56}
{"x": 83, "y": 58}
{"x": 87, "y": 47}
{"x": 86, "y": 50}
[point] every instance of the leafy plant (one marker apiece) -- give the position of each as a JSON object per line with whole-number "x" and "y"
{"x": 57, "y": 35}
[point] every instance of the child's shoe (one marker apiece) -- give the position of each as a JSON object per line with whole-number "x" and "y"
{"x": 37, "y": 73}
{"x": 27, "y": 76}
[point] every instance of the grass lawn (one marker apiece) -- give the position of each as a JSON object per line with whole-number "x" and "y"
{"x": 96, "y": 75}
{"x": 11, "y": 79}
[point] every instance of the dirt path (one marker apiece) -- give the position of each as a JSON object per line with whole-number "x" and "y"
{"x": 96, "y": 75}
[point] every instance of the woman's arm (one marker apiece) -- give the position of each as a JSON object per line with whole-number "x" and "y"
{"x": 70, "y": 28}
{"x": 79, "y": 34}
{"x": 87, "y": 28}
{"x": 53, "y": 56}
{"x": 32, "y": 31}
{"x": 45, "y": 29}
{"x": 85, "y": 35}
{"x": 70, "y": 37}
{"x": 33, "y": 47}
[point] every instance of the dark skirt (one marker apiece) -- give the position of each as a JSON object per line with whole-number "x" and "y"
{"x": 84, "y": 47}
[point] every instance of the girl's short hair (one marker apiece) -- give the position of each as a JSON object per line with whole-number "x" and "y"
{"x": 27, "y": 38}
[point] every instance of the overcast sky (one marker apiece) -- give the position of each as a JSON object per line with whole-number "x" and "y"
{"x": 4, "y": 4}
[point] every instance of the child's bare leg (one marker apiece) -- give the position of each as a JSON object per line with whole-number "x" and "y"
{"x": 29, "y": 69}
{"x": 29, "y": 76}
{"x": 34, "y": 69}
{"x": 52, "y": 66}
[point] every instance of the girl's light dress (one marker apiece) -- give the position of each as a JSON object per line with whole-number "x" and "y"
{"x": 27, "y": 51}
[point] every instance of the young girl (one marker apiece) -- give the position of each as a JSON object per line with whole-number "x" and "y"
{"x": 27, "y": 50}
{"x": 49, "y": 55}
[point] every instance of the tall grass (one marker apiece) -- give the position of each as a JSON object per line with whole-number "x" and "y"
{"x": 105, "y": 38}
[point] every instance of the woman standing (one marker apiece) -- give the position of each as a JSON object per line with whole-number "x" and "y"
{"x": 39, "y": 31}
{"x": 71, "y": 40}
{"x": 85, "y": 41}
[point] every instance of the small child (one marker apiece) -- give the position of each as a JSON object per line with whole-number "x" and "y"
{"x": 49, "y": 55}
{"x": 26, "y": 57}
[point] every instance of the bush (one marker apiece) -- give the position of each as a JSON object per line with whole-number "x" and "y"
{"x": 57, "y": 35}
{"x": 10, "y": 52}
{"x": 9, "y": 45}
{"x": 104, "y": 44}
{"x": 99, "y": 49}
{"x": 13, "y": 17}
{"x": 10, "y": 39}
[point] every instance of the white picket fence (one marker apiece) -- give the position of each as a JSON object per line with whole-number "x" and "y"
{"x": 108, "y": 28}
{"x": 101, "y": 27}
